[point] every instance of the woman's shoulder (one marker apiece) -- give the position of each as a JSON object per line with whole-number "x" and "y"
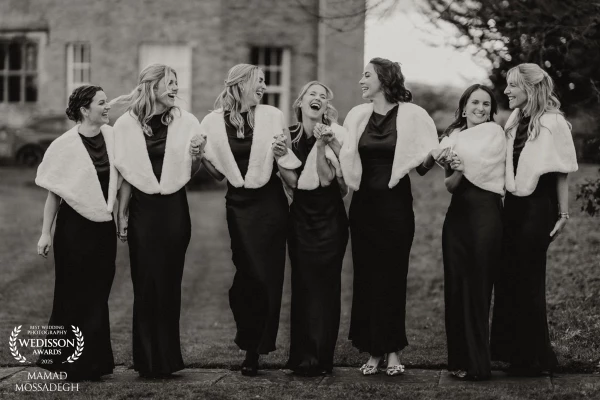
{"x": 553, "y": 119}
{"x": 125, "y": 119}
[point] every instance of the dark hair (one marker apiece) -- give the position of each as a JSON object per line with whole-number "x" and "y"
{"x": 460, "y": 122}
{"x": 81, "y": 97}
{"x": 392, "y": 80}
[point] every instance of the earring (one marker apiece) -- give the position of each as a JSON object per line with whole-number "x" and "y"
{"x": 464, "y": 114}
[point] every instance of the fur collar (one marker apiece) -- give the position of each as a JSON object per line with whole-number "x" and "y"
{"x": 268, "y": 123}
{"x": 552, "y": 151}
{"x": 482, "y": 150}
{"x": 68, "y": 171}
{"x": 417, "y": 135}
{"x": 309, "y": 178}
{"x": 132, "y": 160}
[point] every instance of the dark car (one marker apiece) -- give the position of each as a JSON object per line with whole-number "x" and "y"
{"x": 26, "y": 145}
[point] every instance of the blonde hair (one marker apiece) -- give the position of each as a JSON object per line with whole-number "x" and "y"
{"x": 142, "y": 100}
{"x": 540, "y": 95}
{"x": 231, "y": 98}
{"x": 331, "y": 114}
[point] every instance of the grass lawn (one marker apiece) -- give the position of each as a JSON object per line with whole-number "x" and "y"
{"x": 207, "y": 326}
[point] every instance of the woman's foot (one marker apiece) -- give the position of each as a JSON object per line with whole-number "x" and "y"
{"x": 460, "y": 374}
{"x": 309, "y": 368}
{"x": 372, "y": 366}
{"x": 394, "y": 367}
{"x": 250, "y": 364}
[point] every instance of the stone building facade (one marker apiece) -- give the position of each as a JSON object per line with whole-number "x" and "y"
{"x": 48, "y": 47}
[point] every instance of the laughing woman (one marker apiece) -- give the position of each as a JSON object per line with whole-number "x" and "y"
{"x": 79, "y": 173}
{"x": 386, "y": 139}
{"x": 318, "y": 234}
{"x": 539, "y": 155}
{"x": 472, "y": 234}
{"x": 247, "y": 144}
{"x": 156, "y": 156}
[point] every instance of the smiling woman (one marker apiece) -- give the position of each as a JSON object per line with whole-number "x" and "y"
{"x": 157, "y": 148}
{"x": 79, "y": 173}
{"x": 318, "y": 232}
{"x": 248, "y": 145}
{"x": 386, "y": 139}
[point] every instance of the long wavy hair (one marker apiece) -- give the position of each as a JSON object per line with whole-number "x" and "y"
{"x": 391, "y": 77}
{"x": 331, "y": 114}
{"x": 541, "y": 99}
{"x": 460, "y": 122}
{"x": 231, "y": 98}
{"x": 142, "y": 100}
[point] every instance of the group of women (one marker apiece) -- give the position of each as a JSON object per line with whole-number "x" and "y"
{"x": 138, "y": 170}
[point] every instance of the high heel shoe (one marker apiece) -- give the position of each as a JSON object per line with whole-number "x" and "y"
{"x": 250, "y": 364}
{"x": 368, "y": 369}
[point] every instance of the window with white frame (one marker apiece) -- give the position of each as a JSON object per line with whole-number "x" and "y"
{"x": 276, "y": 64}
{"x": 178, "y": 57}
{"x": 19, "y": 67}
{"x": 79, "y": 65}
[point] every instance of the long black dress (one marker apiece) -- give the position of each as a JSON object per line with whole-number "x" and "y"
{"x": 257, "y": 222}
{"x": 471, "y": 242}
{"x": 519, "y": 326}
{"x": 159, "y": 234}
{"x": 382, "y": 226}
{"x": 84, "y": 261}
{"x": 317, "y": 239}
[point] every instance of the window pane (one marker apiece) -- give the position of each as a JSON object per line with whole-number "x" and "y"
{"x": 272, "y": 99}
{"x": 85, "y": 48}
{"x": 268, "y": 56}
{"x": 31, "y": 56}
{"x": 268, "y": 77}
{"x": 85, "y": 75}
{"x": 1, "y": 89}
{"x": 31, "y": 91}
{"x": 3, "y": 49}
{"x": 254, "y": 56}
{"x": 276, "y": 78}
{"x": 14, "y": 88}
{"x": 277, "y": 56}
{"x": 14, "y": 56}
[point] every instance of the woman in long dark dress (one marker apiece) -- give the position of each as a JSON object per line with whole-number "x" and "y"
{"x": 82, "y": 182}
{"x": 540, "y": 153}
{"x": 318, "y": 235}
{"x": 241, "y": 147}
{"x": 386, "y": 139}
{"x": 154, "y": 155}
{"x": 472, "y": 233}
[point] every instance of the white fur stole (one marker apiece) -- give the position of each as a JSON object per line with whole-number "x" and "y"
{"x": 268, "y": 122}
{"x": 68, "y": 171}
{"x": 552, "y": 151}
{"x": 133, "y": 162}
{"x": 482, "y": 150}
{"x": 417, "y": 135}
{"x": 309, "y": 178}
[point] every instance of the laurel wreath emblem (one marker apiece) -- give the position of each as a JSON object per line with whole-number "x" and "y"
{"x": 12, "y": 344}
{"x": 79, "y": 349}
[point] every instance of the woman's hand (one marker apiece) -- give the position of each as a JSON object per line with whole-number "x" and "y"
{"x": 327, "y": 134}
{"x": 279, "y": 146}
{"x": 455, "y": 163}
{"x": 558, "y": 227}
{"x": 197, "y": 145}
{"x": 122, "y": 224}
{"x": 44, "y": 245}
